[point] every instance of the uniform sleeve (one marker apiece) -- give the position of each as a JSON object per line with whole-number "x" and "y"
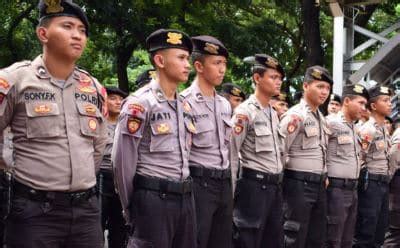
{"x": 7, "y": 105}
{"x": 128, "y": 134}
{"x": 289, "y": 128}
{"x": 394, "y": 154}
{"x": 240, "y": 122}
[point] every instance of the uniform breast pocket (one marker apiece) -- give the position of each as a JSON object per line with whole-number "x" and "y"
{"x": 379, "y": 149}
{"x": 162, "y": 137}
{"x": 264, "y": 140}
{"x": 310, "y": 138}
{"x": 345, "y": 145}
{"x": 203, "y": 137}
{"x": 90, "y": 119}
{"x": 43, "y": 120}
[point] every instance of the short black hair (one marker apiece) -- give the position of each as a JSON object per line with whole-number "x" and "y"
{"x": 372, "y": 100}
{"x": 196, "y": 56}
{"x": 44, "y": 22}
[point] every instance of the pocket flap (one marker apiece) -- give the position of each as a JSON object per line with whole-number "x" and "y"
{"x": 42, "y": 109}
{"x": 262, "y": 130}
{"x": 88, "y": 109}
{"x": 161, "y": 128}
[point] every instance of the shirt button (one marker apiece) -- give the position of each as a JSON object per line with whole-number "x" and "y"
{"x": 264, "y": 186}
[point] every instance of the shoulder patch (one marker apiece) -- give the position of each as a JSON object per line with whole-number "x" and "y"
{"x": 293, "y": 123}
{"x": 133, "y": 124}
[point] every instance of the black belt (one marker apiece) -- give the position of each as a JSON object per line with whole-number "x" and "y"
{"x": 397, "y": 173}
{"x": 343, "y": 183}
{"x": 210, "y": 173}
{"x": 52, "y": 196}
{"x": 379, "y": 178}
{"x": 305, "y": 176}
{"x": 162, "y": 185}
{"x": 268, "y": 178}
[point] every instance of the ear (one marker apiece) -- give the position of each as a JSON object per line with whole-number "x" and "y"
{"x": 256, "y": 78}
{"x": 159, "y": 60}
{"x": 373, "y": 106}
{"x": 198, "y": 66}
{"x": 41, "y": 33}
{"x": 305, "y": 86}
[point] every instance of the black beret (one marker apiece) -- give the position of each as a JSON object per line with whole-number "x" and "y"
{"x": 355, "y": 89}
{"x": 48, "y": 9}
{"x": 209, "y": 45}
{"x": 319, "y": 73}
{"x": 145, "y": 77}
{"x": 112, "y": 90}
{"x": 266, "y": 61}
{"x": 233, "y": 90}
{"x": 168, "y": 38}
{"x": 335, "y": 97}
{"x": 281, "y": 97}
{"x": 378, "y": 90}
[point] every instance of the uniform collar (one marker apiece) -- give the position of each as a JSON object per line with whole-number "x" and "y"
{"x": 158, "y": 92}
{"x": 199, "y": 95}
{"x": 42, "y": 72}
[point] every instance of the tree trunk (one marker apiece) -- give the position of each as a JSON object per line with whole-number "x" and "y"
{"x": 312, "y": 34}
{"x": 124, "y": 53}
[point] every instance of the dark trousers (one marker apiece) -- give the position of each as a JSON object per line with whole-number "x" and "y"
{"x": 36, "y": 224}
{"x": 213, "y": 201}
{"x": 257, "y": 214}
{"x": 162, "y": 220}
{"x": 305, "y": 209}
{"x": 392, "y": 238}
{"x": 341, "y": 217}
{"x": 372, "y": 217}
{"x": 111, "y": 211}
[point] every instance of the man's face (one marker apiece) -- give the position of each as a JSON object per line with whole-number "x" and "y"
{"x": 64, "y": 36}
{"x": 235, "y": 101}
{"x": 334, "y": 107}
{"x": 316, "y": 92}
{"x": 280, "y": 107}
{"x": 355, "y": 107}
{"x": 212, "y": 69}
{"x": 270, "y": 83}
{"x": 175, "y": 64}
{"x": 114, "y": 104}
{"x": 382, "y": 105}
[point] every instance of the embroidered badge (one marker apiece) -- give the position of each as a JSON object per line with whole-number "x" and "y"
{"x": 163, "y": 128}
{"x": 316, "y": 73}
{"x": 136, "y": 108}
{"x": 92, "y": 124}
{"x": 235, "y": 91}
{"x": 358, "y": 89}
{"x": 271, "y": 62}
{"x": 211, "y": 48}
{"x": 90, "y": 109}
{"x": 186, "y": 106}
{"x": 42, "y": 109}
{"x": 53, "y": 6}
{"x": 133, "y": 124}
{"x": 4, "y": 84}
{"x": 238, "y": 129}
{"x": 174, "y": 38}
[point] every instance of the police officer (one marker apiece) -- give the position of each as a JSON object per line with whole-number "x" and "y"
{"x": 151, "y": 150}
{"x": 233, "y": 93}
{"x": 280, "y": 104}
{"x": 111, "y": 211}
{"x": 335, "y": 104}
{"x": 392, "y": 238}
{"x": 372, "y": 217}
{"x": 304, "y": 192}
{"x": 344, "y": 167}
{"x": 209, "y": 156}
{"x": 145, "y": 78}
{"x": 257, "y": 211}
{"x": 55, "y": 113}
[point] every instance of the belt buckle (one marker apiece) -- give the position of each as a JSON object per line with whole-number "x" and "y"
{"x": 260, "y": 176}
